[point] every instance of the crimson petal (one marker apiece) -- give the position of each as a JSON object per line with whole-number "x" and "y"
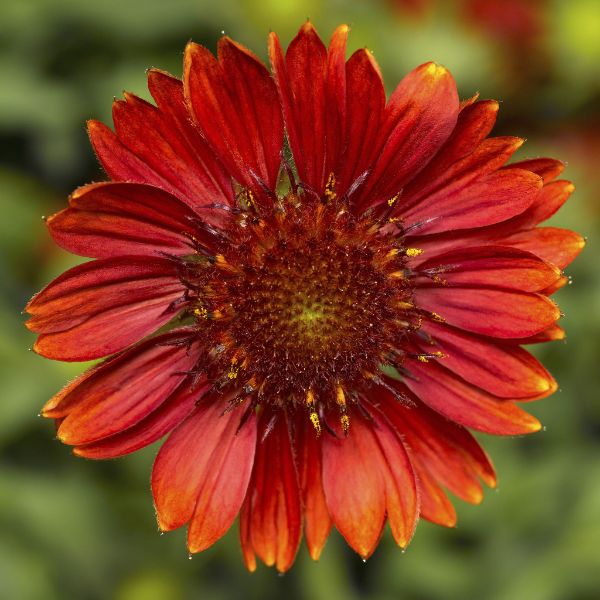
{"x": 466, "y": 404}
{"x": 491, "y": 312}
{"x": 365, "y": 105}
{"x": 488, "y": 200}
{"x": 234, "y": 102}
{"x": 419, "y": 117}
{"x": 401, "y": 492}
{"x": 554, "y": 245}
{"x": 115, "y": 219}
{"x": 316, "y": 515}
{"x": 496, "y": 266}
{"x": 502, "y": 369}
{"x": 100, "y": 307}
{"x": 202, "y": 472}
{"x": 114, "y": 396}
{"x": 272, "y": 515}
{"x": 355, "y": 487}
{"x": 158, "y": 423}
{"x": 486, "y": 158}
{"x": 302, "y": 87}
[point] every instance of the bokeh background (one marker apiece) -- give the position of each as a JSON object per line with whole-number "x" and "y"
{"x": 76, "y": 529}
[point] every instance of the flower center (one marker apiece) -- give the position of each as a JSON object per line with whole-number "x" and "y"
{"x": 308, "y": 311}
{"x": 310, "y": 303}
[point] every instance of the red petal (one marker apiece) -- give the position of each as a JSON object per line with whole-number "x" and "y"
{"x": 202, "y": 471}
{"x": 547, "y": 168}
{"x": 419, "y": 117}
{"x": 316, "y": 516}
{"x": 446, "y": 450}
{"x": 234, "y": 102}
{"x": 245, "y": 541}
{"x": 114, "y": 219}
{"x": 355, "y": 487}
{"x": 102, "y": 306}
{"x": 497, "y": 266}
{"x": 557, "y": 285}
{"x": 439, "y": 181}
{"x": 158, "y": 423}
{"x": 516, "y": 231}
{"x": 551, "y": 334}
{"x": 212, "y": 180}
{"x": 466, "y": 404}
{"x": 557, "y": 246}
{"x": 335, "y": 120}
{"x": 274, "y": 510}
{"x": 224, "y": 486}
{"x": 490, "y": 199}
{"x": 496, "y": 313}
{"x": 365, "y": 104}
{"x": 504, "y": 370}
{"x": 124, "y": 390}
{"x": 401, "y": 494}
{"x": 475, "y": 121}
{"x": 118, "y": 161}
{"x": 435, "y": 504}
{"x": 145, "y": 130}
{"x": 302, "y": 87}
{"x": 548, "y": 201}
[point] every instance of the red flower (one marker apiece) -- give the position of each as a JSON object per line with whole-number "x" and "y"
{"x": 337, "y": 319}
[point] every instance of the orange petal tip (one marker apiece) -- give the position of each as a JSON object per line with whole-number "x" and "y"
{"x": 475, "y": 495}
{"x": 533, "y": 425}
{"x": 435, "y": 70}
{"x": 314, "y": 551}
{"x": 342, "y": 29}
{"x": 546, "y": 386}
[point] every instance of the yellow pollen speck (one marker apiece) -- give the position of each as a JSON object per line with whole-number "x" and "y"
{"x": 233, "y": 369}
{"x": 439, "y": 280}
{"x": 221, "y": 262}
{"x": 405, "y": 305}
{"x": 437, "y": 318}
{"x": 422, "y": 358}
{"x": 247, "y": 198}
{"x": 340, "y": 396}
{"x": 438, "y": 354}
{"x": 392, "y": 252}
{"x": 314, "y": 419}
{"x": 397, "y": 275}
{"x": 345, "y": 422}
{"x": 201, "y": 313}
{"x": 412, "y": 252}
{"x": 329, "y": 193}
{"x": 393, "y": 199}
{"x": 310, "y": 397}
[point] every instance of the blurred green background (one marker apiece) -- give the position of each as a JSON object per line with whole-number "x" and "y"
{"x": 76, "y": 529}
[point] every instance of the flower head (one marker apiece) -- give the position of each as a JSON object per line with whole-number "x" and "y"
{"x": 318, "y": 325}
